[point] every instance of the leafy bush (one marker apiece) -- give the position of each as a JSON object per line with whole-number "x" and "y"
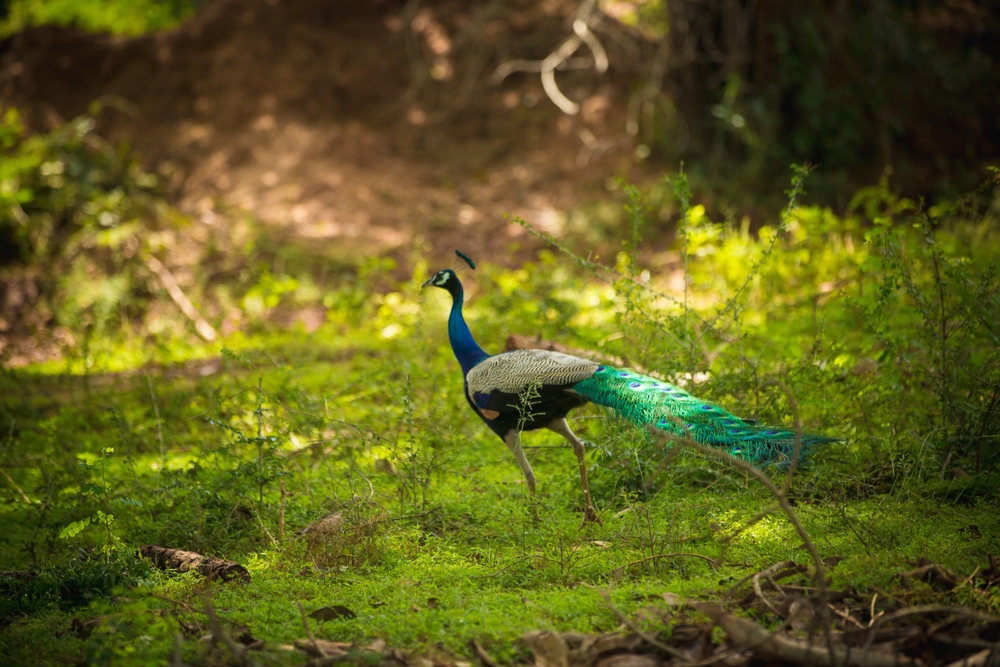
{"x": 882, "y": 323}
{"x": 76, "y": 217}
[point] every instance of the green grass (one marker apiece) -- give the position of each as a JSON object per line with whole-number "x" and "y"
{"x": 455, "y": 521}
{"x": 138, "y": 438}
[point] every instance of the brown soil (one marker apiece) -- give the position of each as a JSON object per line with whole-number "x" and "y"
{"x": 310, "y": 116}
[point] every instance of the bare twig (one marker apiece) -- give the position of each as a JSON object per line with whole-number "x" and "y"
{"x": 219, "y": 633}
{"x": 481, "y": 653}
{"x": 178, "y": 658}
{"x": 921, "y": 609}
{"x": 666, "y": 648}
{"x": 201, "y": 325}
{"x": 797, "y": 452}
{"x": 793, "y": 518}
{"x": 558, "y": 58}
{"x": 760, "y": 591}
{"x": 980, "y": 659}
{"x": 745, "y": 634}
{"x": 11, "y": 481}
{"x": 309, "y": 634}
{"x": 846, "y": 615}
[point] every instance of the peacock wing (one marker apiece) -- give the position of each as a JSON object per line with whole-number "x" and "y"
{"x": 501, "y": 383}
{"x": 513, "y": 372}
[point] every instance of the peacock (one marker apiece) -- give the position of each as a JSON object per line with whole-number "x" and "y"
{"x": 526, "y": 390}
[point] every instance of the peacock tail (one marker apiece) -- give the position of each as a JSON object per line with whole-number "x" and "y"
{"x": 646, "y": 401}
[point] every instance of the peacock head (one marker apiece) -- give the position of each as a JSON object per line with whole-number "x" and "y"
{"x": 446, "y": 279}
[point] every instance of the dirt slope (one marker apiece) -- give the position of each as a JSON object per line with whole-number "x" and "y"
{"x": 311, "y": 115}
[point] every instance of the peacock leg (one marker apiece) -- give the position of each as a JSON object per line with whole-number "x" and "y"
{"x": 562, "y": 428}
{"x": 513, "y": 441}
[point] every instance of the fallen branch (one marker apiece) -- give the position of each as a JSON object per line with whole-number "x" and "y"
{"x": 652, "y": 641}
{"x": 923, "y": 609}
{"x": 760, "y": 591}
{"x": 747, "y": 635}
{"x": 779, "y": 495}
{"x": 932, "y": 573}
{"x": 975, "y": 660}
{"x": 481, "y": 653}
{"x": 210, "y": 567}
{"x": 201, "y": 325}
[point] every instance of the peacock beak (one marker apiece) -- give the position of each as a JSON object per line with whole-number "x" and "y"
{"x": 429, "y": 281}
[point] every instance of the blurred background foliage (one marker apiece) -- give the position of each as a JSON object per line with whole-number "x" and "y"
{"x": 853, "y": 87}
{"x": 897, "y": 292}
{"x": 121, "y": 17}
{"x": 870, "y": 291}
{"x": 741, "y": 89}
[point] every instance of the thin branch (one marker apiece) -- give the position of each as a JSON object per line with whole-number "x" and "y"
{"x": 309, "y": 634}
{"x": 797, "y": 452}
{"x": 218, "y": 632}
{"x": 666, "y": 648}
{"x": 201, "y": 325}
{"x": 921, "y": 609}
{"x": 779, "y": 495}
{"x": 558, "y": 58}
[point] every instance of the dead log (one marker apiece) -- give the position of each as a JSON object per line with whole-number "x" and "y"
{"x": 210, "y": 567}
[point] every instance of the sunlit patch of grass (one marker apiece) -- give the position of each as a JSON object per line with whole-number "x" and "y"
{"x": 217, "y": 447}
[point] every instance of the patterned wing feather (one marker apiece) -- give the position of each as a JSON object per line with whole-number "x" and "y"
{"x": 512, "y": 372}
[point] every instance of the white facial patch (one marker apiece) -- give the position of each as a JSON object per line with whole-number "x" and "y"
{"x": 440, "y": 279}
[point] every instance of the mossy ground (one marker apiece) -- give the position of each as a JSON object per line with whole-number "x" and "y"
{"x": 440, "y": 541}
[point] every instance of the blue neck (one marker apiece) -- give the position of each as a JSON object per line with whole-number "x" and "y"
{"x": 466, "y": 349}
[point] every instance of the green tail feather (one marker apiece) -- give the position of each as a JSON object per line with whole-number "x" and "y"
{"x": 646, "y": 401}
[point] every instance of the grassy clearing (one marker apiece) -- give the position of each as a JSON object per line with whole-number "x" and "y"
{"x": 439, "y": 550}
{"x": 880, "y": 324}
{"x": 438, "y": 542}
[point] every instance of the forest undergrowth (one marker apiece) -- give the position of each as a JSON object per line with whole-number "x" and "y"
{"x": 343, "y": 470}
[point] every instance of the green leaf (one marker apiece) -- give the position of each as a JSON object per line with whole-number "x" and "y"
{"x": 75, "y": 528}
